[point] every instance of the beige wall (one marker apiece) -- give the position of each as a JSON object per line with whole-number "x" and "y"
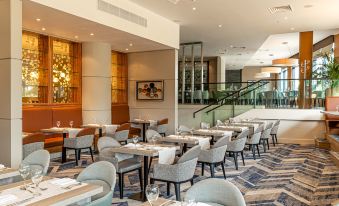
{"x": 155, "y": 65}
{"x": 249, "y": 72}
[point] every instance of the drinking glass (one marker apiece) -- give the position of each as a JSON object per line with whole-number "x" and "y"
{"x": 154, "y": 137}
{"x": 24, "y": 171}
{"x": 71, "y": 124}
{"x": 58, "y": 123}
{"x": 135, "y": 140}
{"x": 152, "y": 193}
{"x": 36, "y": 175}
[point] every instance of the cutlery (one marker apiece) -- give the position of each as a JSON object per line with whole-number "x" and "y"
{"x": 21, "y": 201}
{"x": 71, "y": 186}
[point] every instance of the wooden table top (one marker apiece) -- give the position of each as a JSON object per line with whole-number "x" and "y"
{"x": 335, "y": 113}
{"x": 231, "y": 128}
{"x": 182, "y": 139}
{"x": 140, "y": 121}
{"x": 8, "y": 172}
{"x": 143, "y": 150}
{"x": 212, "y": 132}
{"x": 52, "y": 198}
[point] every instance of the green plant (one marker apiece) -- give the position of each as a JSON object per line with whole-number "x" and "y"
{"x": 329, "y": 69}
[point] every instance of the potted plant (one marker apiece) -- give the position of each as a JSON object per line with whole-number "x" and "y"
{"x": 328, "y": 70}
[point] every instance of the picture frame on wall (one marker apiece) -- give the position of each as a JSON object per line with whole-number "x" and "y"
{"x": 150, "y": 90}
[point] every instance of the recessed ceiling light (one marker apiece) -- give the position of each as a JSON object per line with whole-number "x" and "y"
{"x": 43, "y": 28}
{"x": 231, "y": 46}
{"x": 220, "y": 25}
{"x": 126, "y": 49}
{"x": 130, "y": 44}
{"x": 285, "y": 17}
{"x": 239, "y": 54}
{"x": 261, "y": 62}
{"x": 76, "y": 37}
{"x": 285, "y": 42}
{"x": 308, "y": 6}
{"x": 292, "y": 28}
{"x": 271, "y": 55}
{"x": 38, "y": 19}
{"x": 194, "y": 8}
{"x": 91, "y": 34}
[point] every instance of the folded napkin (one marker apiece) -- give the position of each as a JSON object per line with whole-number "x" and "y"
{"x": 153, "y": 123}
{"x": 166, "y": 155}
{"x": 72, "y": 132}
{"x": 2, "y": 167}
{"x": 131, "y": 145}
{"x": 5, "y": 199}
{"x": 64, "y": 182}
{"x": 204, "y": 143}
{"x": 110, "y": 128}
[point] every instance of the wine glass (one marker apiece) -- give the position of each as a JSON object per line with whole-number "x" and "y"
{"x": 135, "y": 140}
{"x": 71, "y": 124}
{"x": 152, "y": 193}
{"x": 154, "y": 137}
{"x": 24, "y": 171}
{"x": 58, "y": 123}
{"x": 36, "y": 176}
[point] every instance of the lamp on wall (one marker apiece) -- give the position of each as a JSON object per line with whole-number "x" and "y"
{"x": 274, "y": 70}
{"x": 262, "y": 75}
{"x": 287, "y": 62}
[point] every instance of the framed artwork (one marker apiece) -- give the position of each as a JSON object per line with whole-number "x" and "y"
{"x": 150, "y": 90}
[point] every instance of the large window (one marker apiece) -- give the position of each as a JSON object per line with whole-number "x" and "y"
{"x": 50, "y": 70}
{"x": 119, "y": 78}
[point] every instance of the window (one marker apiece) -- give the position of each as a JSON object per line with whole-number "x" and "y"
{"x": 119, "y": 78}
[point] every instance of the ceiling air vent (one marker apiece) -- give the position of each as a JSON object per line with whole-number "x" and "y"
{"x": 121, "y": 13}
{"x": 280, "y": 9}
{"x": 173, "y": 1}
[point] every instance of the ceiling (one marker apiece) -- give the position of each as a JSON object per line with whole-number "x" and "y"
{"x": 67, "y": 26}
{"x": 237, "y": 29}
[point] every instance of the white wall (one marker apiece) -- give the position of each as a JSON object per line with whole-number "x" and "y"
{"x": 159, "y": 29}
{"x": 248, "y": 73}
{"x": 155, "y": 65}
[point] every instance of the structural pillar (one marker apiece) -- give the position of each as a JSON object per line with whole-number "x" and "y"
{"x": 10, "y": 82}
{"x": 289, "y": 77}
{"x": 336, "y": 46}
{"x": 305, "y": 69}
{"x": 96, "y": 83}
{"x": 221, "y": 70}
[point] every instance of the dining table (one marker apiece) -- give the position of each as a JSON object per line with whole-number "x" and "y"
{"x": 6, "y": 172}
{"x": 60, "y": 130}
{"x": 214, "y": 133}
{"x": 147, "y": 151}
{"x": 99, "y": 127}
{"x": 184, "y": 140}
{"x": 255, "y": 121}
{"x": 50, "y": 192}
{"x": 168, "y": 202}
{"x": 144, "y": 123}
{"x": 252, "y": 126}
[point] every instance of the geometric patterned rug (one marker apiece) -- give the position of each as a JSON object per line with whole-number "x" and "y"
{"x": 290, "y": 175}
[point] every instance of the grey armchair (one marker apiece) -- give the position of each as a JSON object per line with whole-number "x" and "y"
{"x": 216, "y": 192}
{"x": 122, "y": 132}
{"x": 180, "y": 172}
{"x": 214, "y": 156}
{"x": 100, "y": 173}
{"x": 254, "y": 140}
{"x": 274, "y": 132}
{"x": 38, "y": 159}
{"x": 105, "y": 145}
{"x": 265, "y": 135}
{"x": 237, "y": 146}
{"x": 83, "y": 140}
{"x": 31, "y": 143}
{"x": 162, "y": 126}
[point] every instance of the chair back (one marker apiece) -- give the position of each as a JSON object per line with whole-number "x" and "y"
{"x": 122, "y": 132}
{"x": 107, "y": 142}
{"x": 275, "y": 127}
{"x": 86, "y": 132}
{"x": 125, "y": 126}
{"x": 221, "y": 142}
{"x": 163, "y": 121}
{"x": 243, "y": 134}
{"x": 205, "y": 125}
{"x": 266, "y": 133}
{"x": 269, "y": 125}
{"x": 184, "y": 129}
{"x": 38, "y": 159}
{"x": 31, "y": 143}
{"x": 151, "y": 133}
{"x": 255, "y": 138}
{"x": 260, "y": 128}
{"x": 32, "y": 138}
{"x": 190, "y": 154}
{"x": 218, "y": 191}
{"x": 219, "y": 123}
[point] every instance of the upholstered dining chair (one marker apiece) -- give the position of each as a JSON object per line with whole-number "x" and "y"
{"x": 179, "y": 172}
{"x": 254, "y": 140}
{"x": 162, "y": 126}
{"x": 214, "y": 156}
{"x": 83, "y": 140}
{"x": 122, "y": 132}
{"x": 205, "y": 125}
{"x": 32, "y": 142}
{"x": 236, "y": 146}
{"x": 184, "y": 129}
{"x": 265, "y": 136}
{"x": 101, "y": 173}
{"x": 215, "y": 191}
{"x": 274, "y": 132}
{"x": 38, "y": 159}
{"x": 105, "y": 146}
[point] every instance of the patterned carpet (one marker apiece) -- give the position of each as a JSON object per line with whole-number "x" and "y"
{"x": 285, "y": 175}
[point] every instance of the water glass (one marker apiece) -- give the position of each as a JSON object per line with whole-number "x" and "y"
{"x": 135, "y": 140}
{"x": 58, "y": 123}
{"x": 152, "y": 193}
{"x": 36, "y": 175}
{"x": 71, "y": 124}
{"x": 24, "y": 171}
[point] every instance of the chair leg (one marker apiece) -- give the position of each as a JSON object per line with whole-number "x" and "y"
{"x": 140, "y": 179}
{"x": 168, "y": 189}
{"x": 91, "y": 151}
{"x": 258, "y": 149}
{"x": 212, "y": 170}
{"x": 177, "y": 191}
{"x": 276, "y": 139}
{"x": 264, "y": 144}
{"x": 268, "y": 145}
{"x": 253, "y": 152}
{"x": 223, "y": 169}
{"x": 202, "y": 169}
{"x": 242, "y": 157}
{"x": 76, "y": 156}
{"x": 273, "y": 140}
{"x": 235, "y": 157}
{"x": 121, "y": 185}
{"x": 151, "y": 181}
{"x": 150, "y": 164}
{"x": 79, "y": 154}
{"x": 192, "y": 182}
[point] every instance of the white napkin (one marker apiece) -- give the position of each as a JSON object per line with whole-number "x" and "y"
{"x": 166, "y": 155}
{"x": 153, "y": 123}
{"x": 63, "y": 181}
{"x": 131, "y": 145}
{"x": 4, "y": 199}
{"x": 110, "y": 128}
{"x": 204, "y": 143}
{"x": 2, "y": 167}
{"x": 72, "y": 132}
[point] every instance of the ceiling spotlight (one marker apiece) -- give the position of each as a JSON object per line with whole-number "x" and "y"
{"x": 285, "y": 42}
{"x": 220, "y": 25}
{"x": 130, "y": 44}
{"x": 91, "y": 34}
{"x": 271, "y": 55}
{"x": 43, "y": 28}
{"x": 292, "y": 28}
{"x": 231, "y": 46}
{"x": 76, "y": 37}
{"x": 308, "y": 6}
{"x": 285, "y": 17}
{"x": 194, "y": 8}
{"x": 38, "y": 19}
{"x": 126, "y": 49}
{"x": 262, "y": 62}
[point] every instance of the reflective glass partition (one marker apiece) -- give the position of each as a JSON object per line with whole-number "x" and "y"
{"x": 119, "y": 78}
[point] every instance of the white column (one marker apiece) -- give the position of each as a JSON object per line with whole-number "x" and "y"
{"x": 96, "y": 82}
{"x": 10, "y": 82}
{"x": 221, "y": 69}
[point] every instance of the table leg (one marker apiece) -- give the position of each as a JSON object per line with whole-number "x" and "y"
{"x": 212, "y": 140}
{"x": 63, "y": 153}
{"x": 100, "y": 132}
{"x": 141, "y": 196}
{"x": 144, "y": 132}
{"x": 184, "y": 148}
